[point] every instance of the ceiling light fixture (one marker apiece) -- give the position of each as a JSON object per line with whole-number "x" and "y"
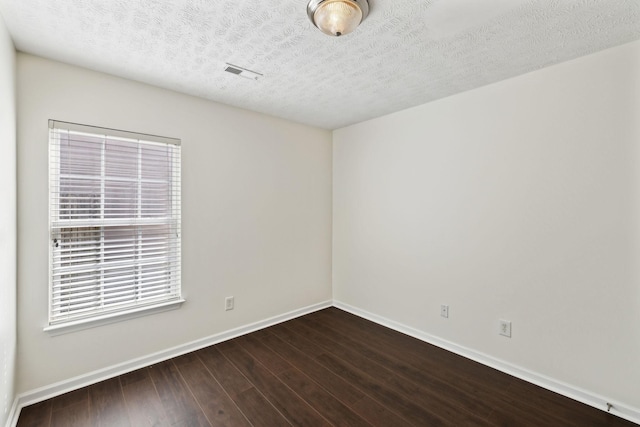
{"x": 337, "y": 17}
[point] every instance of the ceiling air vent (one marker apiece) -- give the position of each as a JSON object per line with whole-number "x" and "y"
{"x": 242, "y": 72}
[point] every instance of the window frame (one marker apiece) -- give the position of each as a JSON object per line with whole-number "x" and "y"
{"x": 135, "y": 222}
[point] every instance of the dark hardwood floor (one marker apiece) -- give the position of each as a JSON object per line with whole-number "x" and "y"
{"x": 326, "y": 368}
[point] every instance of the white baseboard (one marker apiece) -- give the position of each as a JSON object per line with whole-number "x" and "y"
{"x": 13, "y": 414}
{"x": 49, "y": 391}
{"x": 586, "y": 397}
{"x": 572, "y": 392}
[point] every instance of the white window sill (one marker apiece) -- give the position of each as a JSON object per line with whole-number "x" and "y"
{"x": 78, "y": 325}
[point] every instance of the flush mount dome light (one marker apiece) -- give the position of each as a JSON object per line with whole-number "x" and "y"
{"x": 337, "y": 17}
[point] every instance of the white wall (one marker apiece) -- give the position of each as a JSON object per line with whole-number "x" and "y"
{"x": 256, "y": 216}
{"x": 519, "y": 200}
{"x": 7, "y": 221}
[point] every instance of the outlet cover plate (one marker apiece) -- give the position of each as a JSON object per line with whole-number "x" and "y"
{"x": 505, "y": 328}
{"x": 444, "y": 311}
{"x": 228, "y": 303}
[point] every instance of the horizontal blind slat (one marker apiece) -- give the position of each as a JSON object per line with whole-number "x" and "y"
{"x": 92, "y": 281}
{"x": 112, "y": 266}
{"x": 132, "y": 288}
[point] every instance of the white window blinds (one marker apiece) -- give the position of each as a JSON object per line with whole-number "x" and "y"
{"x": 115, "y": 221}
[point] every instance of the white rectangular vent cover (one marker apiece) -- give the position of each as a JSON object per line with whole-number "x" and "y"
{"x": 242, "y": 72}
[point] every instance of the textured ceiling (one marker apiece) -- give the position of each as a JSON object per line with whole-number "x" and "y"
{"x": 406, "y": 53}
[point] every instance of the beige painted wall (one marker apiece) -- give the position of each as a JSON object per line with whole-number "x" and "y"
{"x": 7, "y": 222}
{"x": 519, "y": 200}
{"x": 256, "y": 216}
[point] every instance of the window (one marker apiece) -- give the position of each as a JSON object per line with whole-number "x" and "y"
{"x": 114, "y": 221}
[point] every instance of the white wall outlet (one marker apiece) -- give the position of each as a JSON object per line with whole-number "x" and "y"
{"x": 228, "y": 303}
{"x": 505, "y": 328}
{"x": 444, "y": 311}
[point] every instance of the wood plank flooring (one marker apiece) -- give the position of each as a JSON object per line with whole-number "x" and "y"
{"x": 329, "y": 368}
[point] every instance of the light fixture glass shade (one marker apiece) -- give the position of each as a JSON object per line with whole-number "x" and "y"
{"x": 337, "y": 17}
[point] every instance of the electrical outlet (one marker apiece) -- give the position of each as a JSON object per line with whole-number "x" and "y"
{"x": 228, "y": 303}
{"x": 505, "y": 328}
{"x": 444, "y": 311}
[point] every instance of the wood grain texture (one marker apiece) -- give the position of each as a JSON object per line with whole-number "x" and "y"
{"x": 144, "y": 406}
{"x": 178, "y": 402}
{"x": 216, "y": 404}
{"x": 258, "y": 410}
{"x": 282, "y": 397}
{"x": 326, "y": 368}
{"x": 106, "y": 404}
{"x": 73, "y": 415}
{"x": 37, "y": 415}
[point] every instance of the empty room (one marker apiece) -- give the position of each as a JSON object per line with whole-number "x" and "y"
{"x": 319, "y": 213}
